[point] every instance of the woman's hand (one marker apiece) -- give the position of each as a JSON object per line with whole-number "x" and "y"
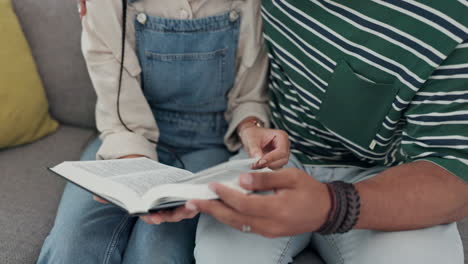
{"x": 82, "y": 8}
{"x": 270, "y": 145}
{"x": 176, "y": 215}
{"x": 300, "y": 204}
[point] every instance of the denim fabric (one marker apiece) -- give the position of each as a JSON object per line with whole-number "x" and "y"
{"x": 86, "y": 231}
{"x": 438, "y": 244}
{"x": 188, "y": 65}
{"x": 188, "y": 68}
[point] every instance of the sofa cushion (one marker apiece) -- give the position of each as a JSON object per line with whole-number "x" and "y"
{"x": 23, "y": 106}
{"x": 54, "y": 38}
{"x": 30, "y": 193}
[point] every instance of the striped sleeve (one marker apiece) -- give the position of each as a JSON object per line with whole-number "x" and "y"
{"x": 437, "y": 119}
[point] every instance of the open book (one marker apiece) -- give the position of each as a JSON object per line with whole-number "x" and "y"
{"x": 141, "y": 185}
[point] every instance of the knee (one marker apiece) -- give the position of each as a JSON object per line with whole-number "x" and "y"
{"x": 166, "y": 243}
{"x": 219, "y": 243}
{"x": 440, "y": 244}
{"x": 64, "y": 246}
{"x": 205, "y": 236}
{"x": 231, "y": 250}
{"x": 79, "y": 238}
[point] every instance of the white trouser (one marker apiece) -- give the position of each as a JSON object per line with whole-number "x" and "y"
{"x": 217, "y": 243}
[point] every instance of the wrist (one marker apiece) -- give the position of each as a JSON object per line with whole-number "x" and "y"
{"x": 248, "y": 123}
{"x": 345, "y": 208}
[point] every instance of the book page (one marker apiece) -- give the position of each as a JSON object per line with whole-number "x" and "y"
{"x": 196, "y": 186}
{"x": 120, "y": 167}
{"x": 139, "y": 175}
{"x": 170, "y": 193}
{"x": 140, "y": 183}
{"x": 122, "y": 181}
{"x": 224, "y": 172}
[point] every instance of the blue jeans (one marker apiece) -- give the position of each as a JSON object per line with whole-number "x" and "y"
{"x": 218, "y": 243}
{"x": 87, "y": 232}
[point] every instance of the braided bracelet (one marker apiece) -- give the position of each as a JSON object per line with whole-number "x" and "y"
{"x": 353, "y": 209}
{"x": 345, "y": 208}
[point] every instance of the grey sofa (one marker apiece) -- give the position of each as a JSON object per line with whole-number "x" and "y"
{"x": 29, "y": 194}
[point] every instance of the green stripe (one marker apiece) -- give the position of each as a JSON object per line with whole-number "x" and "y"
{"x": 355, "y": 155}
{"x": 406, "y": 23}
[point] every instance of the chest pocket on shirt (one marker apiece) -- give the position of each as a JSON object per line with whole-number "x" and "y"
{"x": 354, "y": 108}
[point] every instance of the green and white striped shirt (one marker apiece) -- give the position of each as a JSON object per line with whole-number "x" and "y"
{"x": 366, "y": 83}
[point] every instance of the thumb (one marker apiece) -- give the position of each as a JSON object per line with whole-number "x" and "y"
{"x": 203, "y": 206}
{"x": 82, "y": 8}
{"x": 98, "y": 199}
{"x": 255, "y": 152}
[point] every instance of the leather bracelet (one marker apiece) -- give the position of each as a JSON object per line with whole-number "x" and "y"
{"x": 345, "y": 208}
{"x": 338, "y": 188}
{"x": 338, "y": 210}
{"x": 353, "y": 209}
{"x": 331, "y": 214}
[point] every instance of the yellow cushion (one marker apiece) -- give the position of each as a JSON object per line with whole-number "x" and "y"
{"x": 24, "y": 115}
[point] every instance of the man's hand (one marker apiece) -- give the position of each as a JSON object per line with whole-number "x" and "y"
{"x": 124, "y": 157}
{"x": 299, "y": 204}
{"x": 270, "y": 145}
{"x": 82, "y": 8}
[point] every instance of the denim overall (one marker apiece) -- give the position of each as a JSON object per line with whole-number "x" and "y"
{"x": 188, "y": 67}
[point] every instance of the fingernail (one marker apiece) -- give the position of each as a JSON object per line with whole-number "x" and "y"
{"x": 246, "y": 179}
{"x": 191, "y": 206}
{"x": 262, "y": 162}
{"x": 155, "y": 220}
{"x": 212, "y": 186}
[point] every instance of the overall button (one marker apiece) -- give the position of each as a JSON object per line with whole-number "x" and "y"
{"x": 233, "y": 16}
{"x": 184, "y": 14}
{"x": 142, "y": 18}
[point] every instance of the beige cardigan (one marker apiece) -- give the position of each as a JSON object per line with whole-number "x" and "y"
{"x": 101, "y": 49}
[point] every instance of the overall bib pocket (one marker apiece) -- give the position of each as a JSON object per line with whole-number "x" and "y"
{"x": 187, "y": 79}
{"x": 355, "y": 108}
{"x": 188, "y": 65}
